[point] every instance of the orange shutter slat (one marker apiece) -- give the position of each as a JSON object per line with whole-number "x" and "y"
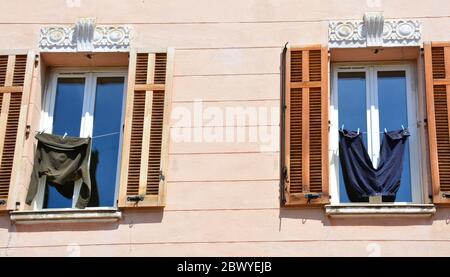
{"x": 144, "y": 158}
{"x": 437, "y": 72}
{"x": 306, "y": 126}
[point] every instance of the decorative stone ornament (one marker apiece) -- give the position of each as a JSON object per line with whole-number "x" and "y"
{"x": 374, "y": 31}
{"x": 373, "y": 26}
{"x": 85, "y": 36}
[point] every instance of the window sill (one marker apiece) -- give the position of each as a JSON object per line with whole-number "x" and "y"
{"x": 381, "y": 210}
{"x": 66, "y": 216}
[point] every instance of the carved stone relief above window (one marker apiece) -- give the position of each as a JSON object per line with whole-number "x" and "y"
{"x": 85, "y": 36}
{"x": 374, "y": 30}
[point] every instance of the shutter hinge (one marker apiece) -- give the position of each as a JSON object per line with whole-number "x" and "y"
{"x": 27, "y": 131}
{"x": 161, "y": 176}
{"x": 135, "y": 198}
{"x": 285, "y": 174}
{"x": 36, "y": 60}
{"x": 446, "y": 195}
{"x": 311, "y": 196}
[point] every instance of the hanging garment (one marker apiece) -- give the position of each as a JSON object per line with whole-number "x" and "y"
{"x": 63, "y": 160}
{"x": 360, "y": 177}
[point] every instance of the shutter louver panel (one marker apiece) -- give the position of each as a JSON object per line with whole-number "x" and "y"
{"x": 315, "y": 65}
{"x": 295, "y": 135}
{"x": 160, "y": 68}
{"x": 155, "y": 149}
{"x": 141, "y": 68}
{"x": 15, "y": 81}
{"x": 438, "y": 63}
{"x": 306, "y": 126}
{"x": 144, "y": 158}
{"x": 3, "y": 66}
{"x": 9, "y": 142}
{"x": 315, "y": 143}
{"x": 437, "y": 73}
{"x": 442, "y": 136}
{"x": 137, "y": 127}
{"x": 296, "y": 66}
{"x": 19, "y": 70}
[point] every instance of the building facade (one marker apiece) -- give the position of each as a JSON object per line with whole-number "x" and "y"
{"x": 215, "y": 126}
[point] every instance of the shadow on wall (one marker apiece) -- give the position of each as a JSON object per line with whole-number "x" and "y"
{"x": 304, "y": 215}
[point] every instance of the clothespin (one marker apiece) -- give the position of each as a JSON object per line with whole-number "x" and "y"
{"x": 342, "y": 128}
{"x": 358, "y": 131}
{"x": 385, "y": 130}
{"x": 403, "y": 128}
{"x": 65, "y": 134}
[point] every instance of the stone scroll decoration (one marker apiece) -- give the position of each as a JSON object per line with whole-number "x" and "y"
{"x": 85, "y": 36}
{"x": 373, "y": 31}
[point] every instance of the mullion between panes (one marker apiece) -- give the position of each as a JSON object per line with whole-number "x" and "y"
{"x": 50, "y": 100}
{"x": 86, "y": 123}
{"x": 334, "y": 138}
{"x": 87, "y": 119}
{"x": 375, "y": 118}
{"x": 46, "y": 126}
{"x": 413, "y": 118}
{"x": 369, "y": 113}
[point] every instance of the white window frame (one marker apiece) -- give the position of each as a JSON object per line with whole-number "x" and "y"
{"x": 373, "y": 146}
{"x": 87, "y": 120}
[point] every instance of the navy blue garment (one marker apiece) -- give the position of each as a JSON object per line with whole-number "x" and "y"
{"x": 361, "y": 178}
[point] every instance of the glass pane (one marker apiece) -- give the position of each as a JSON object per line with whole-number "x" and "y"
{"x": 106, "y": 138}
{"x": 352, "y": 111}
{"x": 66, "y": 119}
{"x": 68, "y": 106}
{"x": 392, "y": 105}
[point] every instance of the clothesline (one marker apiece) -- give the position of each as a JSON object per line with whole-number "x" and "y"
{"x": 99, "y": 136}
{"x": 385, "y": 131}
{"x": 375, "y": 132}
{"x": 105, "y": 135}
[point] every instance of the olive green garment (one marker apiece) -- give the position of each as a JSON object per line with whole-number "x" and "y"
{"x": 63, "y": 160}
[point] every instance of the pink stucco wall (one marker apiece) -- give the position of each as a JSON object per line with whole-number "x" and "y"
{"x": 222, "y": 198}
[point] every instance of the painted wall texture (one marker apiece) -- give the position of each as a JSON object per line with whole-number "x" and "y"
{"x": 222, "y": 197}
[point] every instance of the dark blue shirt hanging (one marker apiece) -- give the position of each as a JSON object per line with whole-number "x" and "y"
{"x": 361, "y": 178}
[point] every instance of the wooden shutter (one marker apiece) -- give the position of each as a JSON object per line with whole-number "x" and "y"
{"x": 146, "y": 130}
{"x": 437, "y": 76}
{"x": 306, "y": 126}
{"x": 15, "y": 81}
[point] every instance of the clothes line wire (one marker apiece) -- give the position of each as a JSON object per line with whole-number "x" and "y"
{"x": 99, "y": 136}
{"x": 385, "y": 131}
{"x": 105, "y": 135}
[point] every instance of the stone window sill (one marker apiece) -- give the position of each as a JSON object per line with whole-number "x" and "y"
{"x": 66, "y": 215}
{"x": 380, "y": 210}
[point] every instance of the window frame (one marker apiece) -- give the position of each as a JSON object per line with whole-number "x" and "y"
{"x": 86, "y": 126}
{"x": 371, "y": 69}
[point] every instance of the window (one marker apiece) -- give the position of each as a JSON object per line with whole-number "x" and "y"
{"x": 86, "y": 104}
{"x": 375, "y": 98}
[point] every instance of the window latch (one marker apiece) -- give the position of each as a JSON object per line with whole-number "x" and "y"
{"x": 135, "y": 198}
{"x": 311, "y": 196}
{"x": 2, "y": 202}
{"x": 161, "y": 176}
